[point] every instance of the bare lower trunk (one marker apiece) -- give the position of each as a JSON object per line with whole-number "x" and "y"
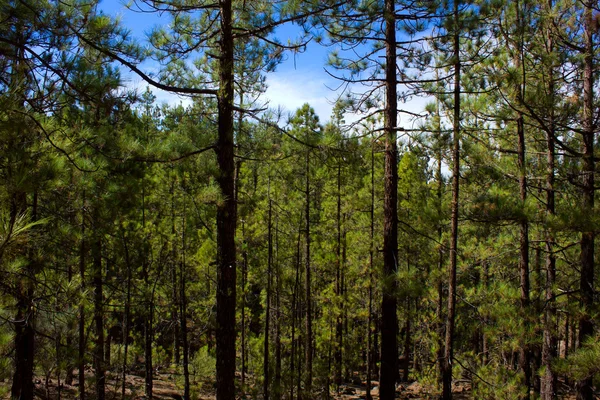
{"x": 22, "y": 384}
{"x": 389, "y": 319}
{"x": 98, "y": 319}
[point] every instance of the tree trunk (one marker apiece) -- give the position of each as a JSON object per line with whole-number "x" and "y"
{"x": 389, "y": 318}
{"x": 175, "y": 297}
{"x": 82, "y": 263}
{"x": 549, "y": 380}
{"x": 126, "y": 317}
{"x": 107, "y": 344}
{"x": 585, "y": 389}
{"x": 308, "y": 323}
{"x": 98, "y": 316}
{"x": 226, "y": 218}
{"x": 183, "y": 305}
{"x": 338, "y": 286}
{"x": 244, "y": 283}
{"x": 22, "y": 384}
{"x": 439, "y": 311}
{"x": 294, "y": 312}
{"x": 278, "y": 285}
{"x": 268, "y": 305}
{"x": 370, "y": 273}
{"x": 405, "y": 369}
{"x": 524, "y": 351}
{"x": 449, "y": 340}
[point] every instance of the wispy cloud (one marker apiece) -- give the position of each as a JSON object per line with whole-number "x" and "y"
{"x": 291, "y": 89}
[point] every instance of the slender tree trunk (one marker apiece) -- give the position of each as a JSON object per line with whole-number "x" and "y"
{"x": 549, "y": 344}
{"x": 24, "y": 340}
{"x": 82, "y": 263}
{"x": 407, "y": 334}
{"x": 107, "y": 352}
{"x": 389, "y": 317}
{"x": 537, "y": 349}
{"x": 549, "y": 381}
{"x": 70, "y": 366}
{"x": 183, "y": 305}
{"x": 98, "y": 316}
{"x": 329, "y": 359}
{"x": 407, "y": 326}
{"x": 226, "y": 218}
{"x": 585, "y": 389}
{"x": 370, "y": 273}
{"x": 295, "y": 312}
{"x": 243, "y": 323}
{"x": 148, "y": 330}
{"x": 278, "y": 285}
{"x": 449, "y": 341}
{"x": 236, "y": 191}
{"x": 174, "y": 295}
{"x": 338, "y": 285}
{"x": 308, "y": 295}
{"x": 524, "y": 351}
{"x": 266, "y": 380}
{"x": 439, "y": 311}
{"x": 126, "y": 318}
{"x": 244, "y": 283}
{"x": 22, "y": 384}
{"x": 345, "y": 319}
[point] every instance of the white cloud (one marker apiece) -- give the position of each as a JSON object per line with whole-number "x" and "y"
{"x": 291, "y": 89}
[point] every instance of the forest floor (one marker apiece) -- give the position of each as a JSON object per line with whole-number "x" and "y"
{"x": 166, "y": 388}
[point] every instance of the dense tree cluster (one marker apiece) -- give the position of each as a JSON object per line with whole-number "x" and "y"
{"x": 214, "y": 238}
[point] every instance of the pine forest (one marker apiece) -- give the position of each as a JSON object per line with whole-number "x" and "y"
{"x": 433, "y": 238}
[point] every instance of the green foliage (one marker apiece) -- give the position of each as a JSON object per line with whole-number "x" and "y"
{"x": 497, "y": 382}
{"x": 202, "y": 365}
{"x": 583, "y": 363}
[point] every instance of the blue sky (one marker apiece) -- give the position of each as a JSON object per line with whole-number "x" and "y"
{"x": 300, "y": 78}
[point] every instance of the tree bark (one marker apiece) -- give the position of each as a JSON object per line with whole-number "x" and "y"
{"x": 82, "y": 338}
{"x": 370, "y": 273}
{"x": 183, "y": 307}
{"x": 278, "y": 285}
{"x": 268, "y": 305}
{"x": 295, "y": 313}
{"x": 449, "y": 340}
{"x": 524, "y": 351}
{"x": 126, "y": 317}
{"x": 338, "y": 286}
{"x": 226, "y": 218}
{"x": 244, "y": 283}
{"x": 584, "y": 387}
{"x": 308, "y": 291}
{"x": 549, "y": 344}
{"x": 98, "y": 316}
{"x": 389, "y": 318}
